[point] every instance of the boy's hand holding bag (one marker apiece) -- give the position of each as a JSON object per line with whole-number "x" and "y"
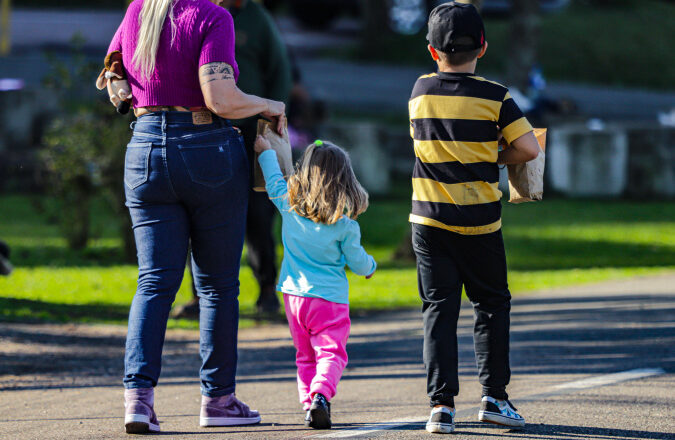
{"x": 281, "y": 145}
{"x": 526, "y": 180}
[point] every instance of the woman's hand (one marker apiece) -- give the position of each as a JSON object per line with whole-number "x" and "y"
{"x": 276, "y": 111}
{"x": 261, "y": 144}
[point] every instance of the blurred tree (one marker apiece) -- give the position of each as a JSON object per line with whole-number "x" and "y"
{"x": 84, "y": 157}
{"x": 84, "y": 151}
{"x": 525, "y": 19}
{"x": 376, "y": 28}
{"x": 67, "y": 157}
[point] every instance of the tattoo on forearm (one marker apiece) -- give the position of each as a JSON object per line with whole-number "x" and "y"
{"x": 211, "y": 68}
{"x": 214, "y": 72}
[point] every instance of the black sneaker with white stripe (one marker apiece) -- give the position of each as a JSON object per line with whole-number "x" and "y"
{"x": 441, "y": 420}
{"x": 499, "y": 412}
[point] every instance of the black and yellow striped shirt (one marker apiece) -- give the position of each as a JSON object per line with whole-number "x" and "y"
{"x": 455, "y": 119}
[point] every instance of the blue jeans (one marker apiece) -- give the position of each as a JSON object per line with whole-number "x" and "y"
{"x": 186, "y": 183}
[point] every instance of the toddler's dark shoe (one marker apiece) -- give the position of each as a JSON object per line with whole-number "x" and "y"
{"x": 499, "y": 412}
{"x": 441, "y": 420}
{"x": 318, "y": 416}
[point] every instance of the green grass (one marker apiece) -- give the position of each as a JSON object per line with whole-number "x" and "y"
{"x": 549, "y": 244}
{"x": 584, "y": 43}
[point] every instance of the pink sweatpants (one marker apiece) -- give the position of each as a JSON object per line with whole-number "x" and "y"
{"x": 320, "y": 330}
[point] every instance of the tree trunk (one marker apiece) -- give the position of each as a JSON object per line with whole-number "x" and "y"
{"x": 75, "y": 212}
{"x": 376, "y": 28}
{"x": 523, "y": 48}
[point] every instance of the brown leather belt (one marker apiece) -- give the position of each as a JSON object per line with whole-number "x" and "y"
{"x": 140, "y": 111}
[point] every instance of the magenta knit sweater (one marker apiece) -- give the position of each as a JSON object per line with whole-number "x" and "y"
{"x": 204, "y": 33}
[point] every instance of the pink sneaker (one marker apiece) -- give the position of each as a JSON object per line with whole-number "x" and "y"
{"x": 226, "y": 411}
{"x": 139, "y": 415}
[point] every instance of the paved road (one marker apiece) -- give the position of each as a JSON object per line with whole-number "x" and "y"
{"x": 386, "y": 88}
{"x": 32, "y": 28}
{"x": 346, "y": 85}
{"x": 63, "y": 382}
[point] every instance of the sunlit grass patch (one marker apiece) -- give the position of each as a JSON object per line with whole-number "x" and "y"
{"x": 549, "y": 244}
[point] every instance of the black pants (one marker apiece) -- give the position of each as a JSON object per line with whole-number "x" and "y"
{"x": 446, "y": 261}
{"x": 260, "y": 246}
{"x": 261, "y": 253}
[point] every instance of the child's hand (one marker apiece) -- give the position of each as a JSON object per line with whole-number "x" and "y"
{"x": 261, "y": 144}
{"x": 501, "y": 141}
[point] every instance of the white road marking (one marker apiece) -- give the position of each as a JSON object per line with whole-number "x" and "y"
{"x": 364, "y": 430}
{"x": 609, "y": 379}
{"x": 564, "y": 388}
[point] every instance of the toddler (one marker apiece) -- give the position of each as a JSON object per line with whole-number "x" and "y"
{"x": 318, "y": 206}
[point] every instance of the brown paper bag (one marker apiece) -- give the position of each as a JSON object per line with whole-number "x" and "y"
{"x": 526, "y": 180}
{"x": 281, "y": 145}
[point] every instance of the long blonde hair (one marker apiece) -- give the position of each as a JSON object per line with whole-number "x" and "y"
{"x": 152, "y": 17}
{"x": 324, "y": 187}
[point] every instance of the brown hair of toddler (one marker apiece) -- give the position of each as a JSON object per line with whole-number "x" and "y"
{"x": 324, "y": 187}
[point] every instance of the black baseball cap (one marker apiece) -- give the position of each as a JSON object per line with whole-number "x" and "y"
{"x": 450, "y": 21}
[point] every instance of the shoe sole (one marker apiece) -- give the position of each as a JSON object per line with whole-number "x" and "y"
{"x": 440, "y": 428}
{"x": 499, "y": 419}
{"x": 139, "y": 424}
{"x": 206, "y": 422}
{"x": 319, "y": 419}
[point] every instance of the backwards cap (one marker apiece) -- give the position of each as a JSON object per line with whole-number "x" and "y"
{"x": 449, "y": 22}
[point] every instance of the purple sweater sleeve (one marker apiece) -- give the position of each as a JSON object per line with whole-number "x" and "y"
{"x": 116, "y": 43}
{"x": 218, "y": 42}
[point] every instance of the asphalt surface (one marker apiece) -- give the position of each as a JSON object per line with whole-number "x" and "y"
{"x": 64, "y": 381}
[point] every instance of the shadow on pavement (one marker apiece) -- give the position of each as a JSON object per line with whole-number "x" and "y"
{"x": 26, "y": 310}
{"x": 558, "y": 431}
{"x": 583, "y": 335}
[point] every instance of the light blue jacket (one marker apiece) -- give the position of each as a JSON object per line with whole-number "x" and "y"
{"x": 314, "y": 254}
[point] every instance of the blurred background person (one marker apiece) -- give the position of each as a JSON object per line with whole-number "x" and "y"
{"x": 266, "y": 72}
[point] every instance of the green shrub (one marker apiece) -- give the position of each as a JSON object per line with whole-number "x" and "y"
{"x": 83, "y": 151}
{"x": 83, "y": 154}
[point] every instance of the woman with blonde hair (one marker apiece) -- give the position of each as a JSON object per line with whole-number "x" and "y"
{"x": 319, "y": 206}
{"x": 186, "y": 180}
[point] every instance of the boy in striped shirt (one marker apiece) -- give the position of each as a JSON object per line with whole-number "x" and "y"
{"x": 456, "y": 120}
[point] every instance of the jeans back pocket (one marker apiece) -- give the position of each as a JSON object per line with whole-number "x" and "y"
{"x": 136, "y": 164}
{"x": 208, "y": 164}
